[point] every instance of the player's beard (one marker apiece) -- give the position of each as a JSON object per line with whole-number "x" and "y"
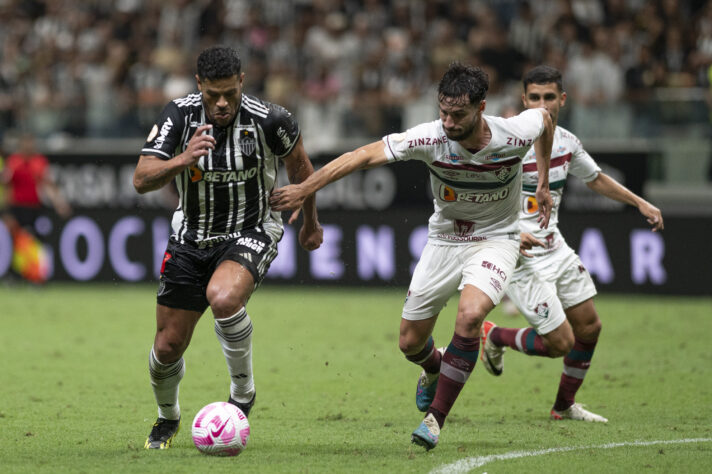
{"x": 462, "y": 134}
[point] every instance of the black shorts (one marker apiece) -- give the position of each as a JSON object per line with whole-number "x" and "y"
{"x": 186, "y": 269}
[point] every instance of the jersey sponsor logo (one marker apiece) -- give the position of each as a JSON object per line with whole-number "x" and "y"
{"x": 152, "y": 134}
{"x": 450, "y": 195}
{"x": 542, "y": 310}
{"x": 222, "y": 176}
{"x": 516, "y": 141}
{"x": 282, "y": 134}
{"x": 165, "y": 128}
{"x": 461, "y": 238}
{"x": 549, "y": 239}
{"x": 247, "y": 143}
{"x": 463, "y": 228}
{"x": 530, "y": 205}
{"x": 491, "y": 266}
{"x": 495, "y": 156}
{"x": 195, "y": 174}
{"x": 427, "y": 141}
{"x": 252, "y": 244}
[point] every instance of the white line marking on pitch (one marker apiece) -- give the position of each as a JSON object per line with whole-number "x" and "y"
{"x": 467, "y": 464}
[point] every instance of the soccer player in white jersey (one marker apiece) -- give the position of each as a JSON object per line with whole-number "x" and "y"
{"x": 475, "y": 169}
{"x": 550, "y": 286}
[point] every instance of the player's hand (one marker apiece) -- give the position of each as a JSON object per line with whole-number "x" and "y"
{"x": 199, "y": 145}
{"x": 653, "y": 215}
{"x": 546, "y": 203}
{"x": 290, "y": 197}
{"x": 311, "y": 236}
{"x": 527, "y": 242}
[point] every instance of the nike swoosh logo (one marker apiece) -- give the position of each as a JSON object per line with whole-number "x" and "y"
{"x": 217, "y": 432}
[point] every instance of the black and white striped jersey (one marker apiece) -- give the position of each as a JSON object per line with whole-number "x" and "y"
{"x": 227, "y": 192}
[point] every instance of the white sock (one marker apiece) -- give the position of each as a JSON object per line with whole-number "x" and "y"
{"x": 235, "y": 336}
{"x": 165, "y": 379}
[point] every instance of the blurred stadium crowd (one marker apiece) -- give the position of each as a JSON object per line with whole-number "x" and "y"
{"x": 92, "y": 68}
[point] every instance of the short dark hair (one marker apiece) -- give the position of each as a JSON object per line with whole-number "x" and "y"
{"x": 463, "y": 80}
{"x": 218, "y": 62}
{"x": 543, "y": 75}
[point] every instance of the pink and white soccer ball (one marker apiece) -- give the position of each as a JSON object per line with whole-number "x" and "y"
{"x": 220, "y": 429}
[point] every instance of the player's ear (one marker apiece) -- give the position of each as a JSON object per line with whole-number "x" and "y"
{"x": 197, "y": 80}
{"x": 524, "y": 100}
{"x": 563, "y": 99}
{"x": 483, "y": 104}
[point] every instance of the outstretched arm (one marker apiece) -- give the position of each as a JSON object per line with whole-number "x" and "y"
{"x": 542, "y": 148}
{"x": 292, "y": 197}
{"x": 609, "y": 187}
{"x": 299, "y": 168}
{"x": 153, "y": 173}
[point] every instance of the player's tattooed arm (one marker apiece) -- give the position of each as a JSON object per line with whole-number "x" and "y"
{"x": 299, "y": 168}
{"x": 153, "y": 173}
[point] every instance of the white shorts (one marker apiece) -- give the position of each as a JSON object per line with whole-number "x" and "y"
{"x": 444, "y": 269}
{"x": 543, "y": 296}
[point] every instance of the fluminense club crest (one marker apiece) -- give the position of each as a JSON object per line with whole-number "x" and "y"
{"x": 542, "y": 310}
{"x": 502, "y": 174}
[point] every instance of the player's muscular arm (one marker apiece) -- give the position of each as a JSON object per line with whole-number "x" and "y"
{"x": 609, "y": 187}
{"x": 299, "y": 169}
{"x": 542, "y": 148}
{"x": 292, "y": 197}
{"x": 153, "y": 173}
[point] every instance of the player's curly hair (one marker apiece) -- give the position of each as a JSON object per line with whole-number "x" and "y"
{"x": 543, "y": 75}
{"x": 462, "y": 80}
{"x": 218, "y": 62}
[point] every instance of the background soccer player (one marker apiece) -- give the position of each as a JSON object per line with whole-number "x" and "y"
{"x": 222, "y": 148}
{"x": 550, "y": 286}
{"x": 474, "y": 162}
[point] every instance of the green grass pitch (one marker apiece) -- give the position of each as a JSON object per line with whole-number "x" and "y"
{"x": 336, "y": 395}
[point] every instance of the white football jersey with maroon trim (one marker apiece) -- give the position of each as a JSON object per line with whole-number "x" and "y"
{"x": 476, "y": 195}
{"x": 567, "y": 156}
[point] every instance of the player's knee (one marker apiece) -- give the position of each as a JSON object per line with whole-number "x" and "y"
{"x": 470, "y": 318}
{"x": 224, "y": 302}
{"x": 168, "y": 350}
{"x": 561, "y": 347}
{"x": 588, "y": 331}
{"x": 409, "y": 344}
{"x": 560, "y": 341}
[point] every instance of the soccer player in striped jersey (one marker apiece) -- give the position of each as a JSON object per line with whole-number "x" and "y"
{"x": 475, "y": 169}
{"x": 222, "y": 148}
{"x": 550, "y": 286}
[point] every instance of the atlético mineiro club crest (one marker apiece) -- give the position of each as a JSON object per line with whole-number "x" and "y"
{"x": 247, "y": 142}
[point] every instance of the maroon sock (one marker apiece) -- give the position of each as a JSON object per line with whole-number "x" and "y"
{"x": 428, "y": 358}
{"x": 576, "y": 364}
{"x": 524, "y": 340}
{"x": 456, "y": 366}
